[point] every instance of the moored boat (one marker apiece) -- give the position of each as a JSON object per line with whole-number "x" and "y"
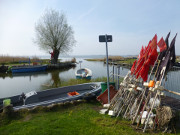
{"x": 55, "y": 95}
{"x": 83, "y": 73}
{"x": 25, "y": 69}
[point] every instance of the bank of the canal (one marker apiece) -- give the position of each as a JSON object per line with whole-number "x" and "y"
{"x": 62, "y": 65}
{"x": 79, "y": 118}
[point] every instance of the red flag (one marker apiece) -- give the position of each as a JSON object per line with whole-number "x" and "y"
{"x": 133, "y": 67}
{"x": 142, "y": 59}
{"x": 142, "y": 51}
{"x": 139, "y": 66}
{"x": 145, "y": 55}
{"x": 153, "y": 43}
{"x": 152, "y": 57}
{"x": 144, "y": 71}
{"x": 162, "y": 45}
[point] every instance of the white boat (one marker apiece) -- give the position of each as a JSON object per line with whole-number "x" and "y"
{"x": 83, "y": 73}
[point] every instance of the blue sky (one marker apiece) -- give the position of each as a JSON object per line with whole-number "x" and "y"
{"x": 132, "y": 23}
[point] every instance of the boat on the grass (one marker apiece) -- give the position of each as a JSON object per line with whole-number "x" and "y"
{"x": 26, "y": 69}
{"x": 55, "y": 95}
{"x": 83, "y": 73}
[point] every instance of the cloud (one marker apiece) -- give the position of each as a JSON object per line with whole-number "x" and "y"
{"x": 82, "y": 16}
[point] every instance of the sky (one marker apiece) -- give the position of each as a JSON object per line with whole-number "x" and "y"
{"x": 132, "y": 23}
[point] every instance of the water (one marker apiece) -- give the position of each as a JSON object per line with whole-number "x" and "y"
{"x": 16, "y": 84}
{"x": 19, "y": 83}
{"x": 173, "y": 82}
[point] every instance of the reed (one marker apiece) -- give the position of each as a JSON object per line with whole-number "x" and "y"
{"x": 6, "y": 59}
{"x": 115, "y": 58}
{"x": 119, "y": 59}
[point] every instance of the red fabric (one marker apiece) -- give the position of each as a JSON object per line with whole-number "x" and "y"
{"x": 148, "y": 55}
{"x": 144, "y": 71}
{"x": 142, "y": 59}
{"x": 139, "y": 65}
{"x": 153, "y": 44}
{"x": 162, "y": 45}
{"x": 147, "y": 50}
{"x": 142, "y": 52}
{"x": 133, "y": 67}
{"x": 52, "y": 54}
{"x": 152, "y": 57}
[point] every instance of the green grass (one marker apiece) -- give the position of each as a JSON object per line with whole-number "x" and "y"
{"x": 95, "y": 59}
{"x": 16, "y": 62}
{"x": 78, "y": 119}
{"x": 80, "y": 81}
{"x": 127, "y": 61}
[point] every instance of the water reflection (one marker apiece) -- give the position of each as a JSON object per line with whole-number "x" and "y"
{"x": 17, "y": 83}
{"x": 56, "y": 81}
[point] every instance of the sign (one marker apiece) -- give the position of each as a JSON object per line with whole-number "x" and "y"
{"x": 102, "y": 38}
{"x": 106, "y": 38}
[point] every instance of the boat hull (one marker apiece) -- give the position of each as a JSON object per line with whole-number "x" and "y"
{"x": 26, "y": 69}
{"x": 83, "y": 73}
{"x": 56, "y": 95}
{"x": 80, "y": 77}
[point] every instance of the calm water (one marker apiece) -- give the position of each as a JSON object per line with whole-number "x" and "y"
{"x": 17, "y": 84}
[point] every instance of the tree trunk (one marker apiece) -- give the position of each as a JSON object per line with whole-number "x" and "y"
{"x": 56, "y": 55}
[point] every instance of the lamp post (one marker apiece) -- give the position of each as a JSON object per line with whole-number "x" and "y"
{"x": 106, "y": 38}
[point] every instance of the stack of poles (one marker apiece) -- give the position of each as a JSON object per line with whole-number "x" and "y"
{"x": 123, "y": 102}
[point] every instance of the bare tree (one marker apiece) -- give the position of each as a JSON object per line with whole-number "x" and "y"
{"x": 54, "y": 34}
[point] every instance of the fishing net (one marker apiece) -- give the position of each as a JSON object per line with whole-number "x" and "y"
{"x": 165, "y": 117}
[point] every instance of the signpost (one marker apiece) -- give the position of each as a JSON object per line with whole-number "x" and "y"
{"x": 106, "y": 38}
{"x": 80, "y": 63}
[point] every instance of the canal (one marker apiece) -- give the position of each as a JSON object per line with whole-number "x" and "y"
{"x": 18, "y": 83}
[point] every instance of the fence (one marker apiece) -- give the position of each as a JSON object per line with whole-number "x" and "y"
{"x": 170, "y": 82}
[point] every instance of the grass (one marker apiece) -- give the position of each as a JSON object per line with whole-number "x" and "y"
{"x": 95, "y": 59}
{"x": 20, "y": 60}
{"x": 78, "y": 119}
{"x": 70, "y": 82}
{"x": 127, "y": 61}
{"x": 113, "y": 58}
{"x": 80, "y": 81}
{"x": 117, "y": 59}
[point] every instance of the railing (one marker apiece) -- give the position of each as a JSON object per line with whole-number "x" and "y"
{"x": 170, "y": 82}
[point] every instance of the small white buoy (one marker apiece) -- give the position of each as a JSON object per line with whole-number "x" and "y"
{"x": 106, "y": 105}
{"x": 103, "y": 111}
{"x": 111, "y": 113}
